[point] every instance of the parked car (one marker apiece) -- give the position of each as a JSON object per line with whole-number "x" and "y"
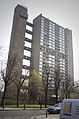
{"x": 54, "y": 109}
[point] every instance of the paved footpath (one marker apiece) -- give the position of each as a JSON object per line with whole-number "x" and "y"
{"x": 36, "y": 117}
{"x": 52, "y": 116}
{"x": 18, "y": 113}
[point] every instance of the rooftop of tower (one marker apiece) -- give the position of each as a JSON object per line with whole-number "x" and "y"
{"x": 50, "y": 21}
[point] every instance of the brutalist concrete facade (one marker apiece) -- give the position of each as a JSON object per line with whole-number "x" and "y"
{"x": 18, "y": 44}
{"x": 18, "y": 33}
{"x": 52, "y": 44}
{"x": 19, "y": 36}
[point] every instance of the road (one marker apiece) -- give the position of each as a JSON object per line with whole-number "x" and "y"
{"x": 26, "y": 114}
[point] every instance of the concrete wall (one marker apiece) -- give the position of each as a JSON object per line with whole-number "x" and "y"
{"x": 36, "y": 43}
{"x": 17, "y": 44}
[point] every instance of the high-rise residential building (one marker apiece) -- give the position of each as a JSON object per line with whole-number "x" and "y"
{"x": 18, "y": 34}
{"x": 18, "y": 47}
{"x": 51, "y": 44}
{"x": 19, "y": 38}
{"x": 45, "y": 42}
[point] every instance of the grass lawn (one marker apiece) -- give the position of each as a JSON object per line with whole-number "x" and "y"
{"x": 27, "y": 106}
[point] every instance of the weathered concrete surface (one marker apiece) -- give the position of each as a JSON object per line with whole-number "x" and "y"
{"x": 19, "y": 113}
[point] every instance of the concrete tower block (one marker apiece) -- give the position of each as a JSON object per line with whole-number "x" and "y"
{"x": 17, "y": 42}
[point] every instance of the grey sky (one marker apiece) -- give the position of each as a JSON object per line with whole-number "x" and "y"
{"x": 63, "y": 12}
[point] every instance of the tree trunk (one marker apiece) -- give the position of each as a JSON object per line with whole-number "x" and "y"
{"x": 18, "y": 98}
{"x": 46, "y": 92}
{"x": 46, "y": 98}
{"x": 66, "y": 96}
{"x": 29, "y": 99}
{"x": 69, "y": 96}
{"x": 33, "y": 100}
{"x": 57, "y": 96}
{"x": 3, "y": 98}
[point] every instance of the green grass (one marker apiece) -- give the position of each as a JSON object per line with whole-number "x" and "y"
{"x": 11, "y": 106}
{"x": 27, "y": 106}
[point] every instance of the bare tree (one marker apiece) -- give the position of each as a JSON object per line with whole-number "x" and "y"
{"x": 10, "y": 75}
{"x": 57, "y": 80}
{"x": 76, "y": 89}
{"x": 46, "y": 81}
{"x": 1, "y": 85}
{"x": 3, "y": 57}
{"x": 24, "y": 92}
{"x": 18, "y": 84}
{"x": 68, "y": 86}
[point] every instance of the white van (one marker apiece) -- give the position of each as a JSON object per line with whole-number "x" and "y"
{"x": 70, "y": 109}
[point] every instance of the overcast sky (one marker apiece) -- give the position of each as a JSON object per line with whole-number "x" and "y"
{"x": 63, "y": 12}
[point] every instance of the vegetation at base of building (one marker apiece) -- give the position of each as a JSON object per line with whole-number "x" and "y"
{"x": 35, "y": 88}
{"x": 37, "y": 91}
{"x": 27, "y": 106}
{"x": 9, "y": 76}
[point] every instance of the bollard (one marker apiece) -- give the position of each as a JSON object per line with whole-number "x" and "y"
{"x": 46, "y": 113}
